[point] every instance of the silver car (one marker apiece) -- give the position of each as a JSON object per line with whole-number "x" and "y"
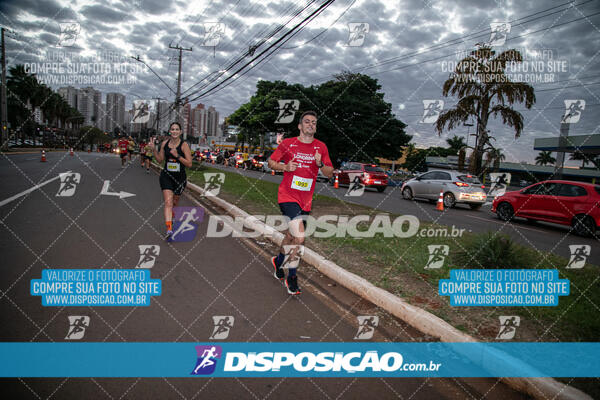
{"x": 457, "y": 187}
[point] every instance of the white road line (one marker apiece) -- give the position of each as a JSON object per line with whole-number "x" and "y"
{"x": 513, "y": 225}
{"x": 16, "y": 196}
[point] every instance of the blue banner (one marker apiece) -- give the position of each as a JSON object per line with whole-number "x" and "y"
{"x": 95, "y": 287}
{"x": 223, "y": 359}
{"x": 504, "y": 287}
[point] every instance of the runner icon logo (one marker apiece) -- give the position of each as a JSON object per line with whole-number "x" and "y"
{"x": 223, "y": 324}
{"x": 68, "y": 33}
{"x": 185, "y": 223}
{"x": 500, "y": 181}
{"x": 356, "y": 188}
{"x": 207, "y": 359}
{"x": 77, "y": 327}
{"x": 214, "y": 31}
{"x": 579, "y": 253}
{"x": 500, "y": 31}
{"x": 141, "y": 112}
{"x": 508, "y": 327}
{"x": 287, "y": 111}
{"x": 437, "y": 255}
{"x": 366, "y": 326}
{"x": 213, "y": 180}
{"x": 431, "y": 111}
{"x": 293, "y": 254}
{"x": 573, "y": 110}
{"x": 148, "y": 255}
{"x": 357, "y": 33}
{"x": 68, "y": 184}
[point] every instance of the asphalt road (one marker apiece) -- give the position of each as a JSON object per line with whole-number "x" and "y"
{"x": 201, "y": 279}
{"x": 543, "y": 236}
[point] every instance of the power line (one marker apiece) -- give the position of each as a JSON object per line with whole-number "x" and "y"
{"x": 323, "y": 31}
{"x": 292, "y": 31}
{"x": 246, "y": 53}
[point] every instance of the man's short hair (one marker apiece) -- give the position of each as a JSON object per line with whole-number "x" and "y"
{"x": 305, "y": 113}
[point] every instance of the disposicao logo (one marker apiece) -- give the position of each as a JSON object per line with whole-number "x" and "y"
{"x": 207, "y": 359}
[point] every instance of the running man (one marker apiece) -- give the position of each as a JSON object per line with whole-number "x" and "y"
{"x": 303, "y": 157}
{"x": 130, "y": 147}
{"x": 177, "y": 155}
{"x": 122, "y": 146}
{"x": 146, "y": 155}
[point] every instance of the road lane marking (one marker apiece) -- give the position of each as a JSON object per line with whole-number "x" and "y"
{"x": 120, "y": 194}
{"x": 16, "y": 196}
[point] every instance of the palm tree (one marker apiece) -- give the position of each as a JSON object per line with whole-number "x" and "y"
{"x": 545, "y": 157}
{"x": 579, "y": 156}
{"x": 456, "y": 143}
{"x": 485, "y": 91}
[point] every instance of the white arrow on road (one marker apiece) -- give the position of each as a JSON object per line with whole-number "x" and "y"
{"x": 16, "y": 196}
{"x": 121, "y": 194}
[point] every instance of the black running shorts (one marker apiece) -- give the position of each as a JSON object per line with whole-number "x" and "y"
{"x": 173, "y": 182}
{"x": 293, "y": 211}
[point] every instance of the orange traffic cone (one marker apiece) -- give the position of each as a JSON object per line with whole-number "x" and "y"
{"x": 236, "y": 164}
{"x": 336, "y": 183}
{"x": 272, "y": 172}
{"x": 440, "y": 203}
{"x": 43, "y": 156}
{"x": 71, "y": 151}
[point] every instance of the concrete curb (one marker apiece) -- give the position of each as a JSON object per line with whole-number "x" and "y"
{"x": 539, "y": 388}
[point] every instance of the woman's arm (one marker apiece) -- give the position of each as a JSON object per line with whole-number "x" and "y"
{"x": 159, "y": 154}
{"x": 187, "y": 161}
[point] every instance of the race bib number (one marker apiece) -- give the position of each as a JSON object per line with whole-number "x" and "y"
{"x": 173, "y": 167}
{"x": 303, "y": 184}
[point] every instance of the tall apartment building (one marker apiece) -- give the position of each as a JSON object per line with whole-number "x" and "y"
{"x": 69, "y": 93}
{"x": 213, "y": 122}
{"x": 199, "y": 121}
{"x": 115, "y": 111}
{"x": 89, "y": 101}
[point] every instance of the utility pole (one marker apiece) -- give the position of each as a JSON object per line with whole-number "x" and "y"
{"x": 3, "y": 107}
{"x": 178, "y": 95}
{"x": 158, "y": 99}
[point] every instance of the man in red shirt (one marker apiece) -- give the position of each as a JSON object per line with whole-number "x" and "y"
{"x": 123, "y": 144}
{"x": 302, "y": 157}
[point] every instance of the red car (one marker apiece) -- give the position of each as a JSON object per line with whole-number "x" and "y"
{"x": 369, "y": 175}
{"x": 576, "y": 204}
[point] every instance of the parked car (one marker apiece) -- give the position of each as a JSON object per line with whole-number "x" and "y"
{"x": 456, "y": 187}
{"x": 265, "y": 168}
{"x": 576, "y": 204}
{"x": 370, "y": 175}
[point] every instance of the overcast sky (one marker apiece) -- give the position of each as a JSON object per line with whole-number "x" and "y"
{"x": 403, "y": 29}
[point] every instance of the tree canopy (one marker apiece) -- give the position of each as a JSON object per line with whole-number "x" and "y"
{"x": 354, "y": 121}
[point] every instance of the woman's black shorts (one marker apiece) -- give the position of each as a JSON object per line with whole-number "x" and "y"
{"x": 173, "y": 182}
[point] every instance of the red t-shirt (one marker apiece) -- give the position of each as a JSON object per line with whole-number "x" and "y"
{"x": 298, "y": 186}
{"x": 123, "y": 143}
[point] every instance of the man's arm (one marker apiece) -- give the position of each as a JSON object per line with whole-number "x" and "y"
{"x": 327, "y": 170}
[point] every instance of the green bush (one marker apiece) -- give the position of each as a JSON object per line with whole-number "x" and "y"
{"x": 492, "y": 250}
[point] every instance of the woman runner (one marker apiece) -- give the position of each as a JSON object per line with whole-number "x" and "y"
{"x": 176, "y": 154}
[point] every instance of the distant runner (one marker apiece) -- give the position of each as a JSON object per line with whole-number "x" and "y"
{"x": 303, "y": 157}
{"x": 122, "y": 146}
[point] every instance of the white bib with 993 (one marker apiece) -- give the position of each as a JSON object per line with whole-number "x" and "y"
{"x": 173, "y": 167}
{"x": 303, "y": 184}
